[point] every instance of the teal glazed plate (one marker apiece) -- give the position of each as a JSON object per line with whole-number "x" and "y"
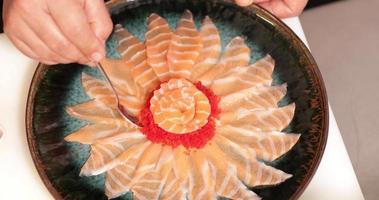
{"x": 55, "y": 87}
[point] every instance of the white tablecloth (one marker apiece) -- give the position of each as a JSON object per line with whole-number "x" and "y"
{"x": 334, "y": 179}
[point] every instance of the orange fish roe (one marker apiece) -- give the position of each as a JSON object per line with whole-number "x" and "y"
{"x": 195, "y": 139}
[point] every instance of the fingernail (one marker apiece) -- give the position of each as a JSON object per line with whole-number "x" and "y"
{"x": 2, "y": 131}
{"x": 244, "y": 2}
{"x": 91, "y": 64}
{"x": 96, "y": 57}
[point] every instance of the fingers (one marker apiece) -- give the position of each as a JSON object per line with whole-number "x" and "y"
{"x": 244, "y": 2}
{"x": 99, "y": 18}
{"x": 285, "y": 8}
{"x": 76, "y": 28}
{"x": 30, "y": 44}
{"x": 33, "y": 30}
{"x": 249, "y": 2}
{"x": 280, "y": 8}
{"x": 51, "y": 35}
{"x": 24, "y": 48}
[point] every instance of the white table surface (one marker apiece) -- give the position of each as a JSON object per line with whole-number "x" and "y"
{"x": 334, "y": 179}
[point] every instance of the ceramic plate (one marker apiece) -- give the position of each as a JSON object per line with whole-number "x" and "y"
{"x": 56, "y": 87}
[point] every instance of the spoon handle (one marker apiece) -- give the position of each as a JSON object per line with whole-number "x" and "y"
{"x": 120, "y": 108}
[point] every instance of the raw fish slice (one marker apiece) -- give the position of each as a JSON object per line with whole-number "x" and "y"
{"x": 253, "y": 98}
{"x": 93, "y": 132}
{"x": 179, "y": 107}
{"x": 100, "y": 91}
{"x": 236, "y": 54}
{"x": 150, "y": 185}
{"x": 249, "y": 170}
{"x": 165, "y": 160}
{"x": 131, "y": 151}
{"x": 268, "y": 146}
{"x": 118, "y": 179}
{"x": 210, "y": 53}
{"x": 171, "y": 105}
{"x": 122, "y": 178}
{"x": 102, "y": 155}
{"x": 158, "y": 39}
{"x": 196, "y": 116}
{"x": 174, "y": 188}
{"x": 225, "y": 174}
{"x": 97, "y": 89}
{"x": 181, "y": 164}
{"x": 121, "y": 78}
{"x": 94, "y": 111}
{"x": 125, "y": 139}
{"x": 133, "y": 105}
{"x": 148, "y": 161}
{"x": 184, "y": 48}
{"x": 201, "y": 180}
{"x": 244, "y": 77}
{"x": 271, "y": 119}
{"x": 134, "y": 55}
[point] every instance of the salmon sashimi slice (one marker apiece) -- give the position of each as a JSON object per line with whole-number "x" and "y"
{"x": 210, "y": 53}
{"x": 100, "y": 155}
{"x": 121, "y": 78}
{"x": 131, "y": 151}
{"x": 94, "y": 111}
{"x": 149, "y": 185}
{"x": 184, "y": 47}
{"x": 92, "y": 133}
{"x": 125, "y": 139}
{"x": 244, "y": 77}
{"x": 268, "y": 146}
{"x": 133, "y": 105}
{"x": 253, "y": 98}
{"x": 130, "y": 95}
{"x": 179, "y": 107}
{"x": 236, "y": 54}
{"x": 97, "y": 89}
{"x": 147, "y": 162}
{"x": 103, "y": 154}
{"x": 118, "y": 179}
{"x": 225, "y": 174}
{"x": 134, "y": 55}
{"x": 158, "y": 37}
{"x": 174, "y": 188}
{"x": 200, "y": 180}
{"x": 249, "y": 170}
{"x": 181, "y": 164}
{"x": 270, "y": 119}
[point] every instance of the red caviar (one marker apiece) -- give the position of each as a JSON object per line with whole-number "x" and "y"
{"x": 194, "y": 139}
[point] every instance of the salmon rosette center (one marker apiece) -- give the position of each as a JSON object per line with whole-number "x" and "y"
{"x": 180, "y": 113}
{"x": 179, "y": 107}
{"x": 209, "y": 120}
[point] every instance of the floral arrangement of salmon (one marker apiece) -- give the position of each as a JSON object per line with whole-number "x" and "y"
{"x": 207, "y": 119}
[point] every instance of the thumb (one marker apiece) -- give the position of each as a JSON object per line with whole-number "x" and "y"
{"x": 248, "y": 2}
{"x": 99, "y": 18}
{"x": 244, "y": 2}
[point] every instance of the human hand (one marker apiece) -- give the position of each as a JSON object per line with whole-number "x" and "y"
{"x": 280, "y": 8}
{"x": 58, "y": 31}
